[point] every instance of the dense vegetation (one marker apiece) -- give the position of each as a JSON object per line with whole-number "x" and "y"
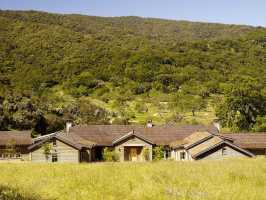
{"x": 209, "y": 180}
{"x": 87, "y": 69}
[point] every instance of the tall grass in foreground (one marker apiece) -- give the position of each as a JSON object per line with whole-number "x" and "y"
{"x": 240, "y": 179}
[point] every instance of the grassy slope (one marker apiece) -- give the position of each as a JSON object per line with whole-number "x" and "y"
{"x": 158, "y": 110}
{"x": 229, "y": 179}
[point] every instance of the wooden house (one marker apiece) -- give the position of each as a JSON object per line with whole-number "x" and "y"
{"x": 86, "y": 143}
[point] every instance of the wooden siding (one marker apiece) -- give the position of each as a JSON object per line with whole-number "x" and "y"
{"x": 133, "y": 142}
{"x": 220, "y": 152}
{"x": 65, "y": 153}
{"x": 224, "y": 151}
{"x": 176, "y": 155}
{"x": 25, "y": 157}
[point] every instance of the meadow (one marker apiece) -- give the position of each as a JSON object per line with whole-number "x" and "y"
{"x": 239, "y": 179}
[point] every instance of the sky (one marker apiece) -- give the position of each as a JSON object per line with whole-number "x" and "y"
{"x": 250, "y": 12}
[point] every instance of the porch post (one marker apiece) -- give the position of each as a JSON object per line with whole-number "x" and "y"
{"x": 150, "y": 153}
{"x": 89, "y": 152}
{"x": 122, "y": 153}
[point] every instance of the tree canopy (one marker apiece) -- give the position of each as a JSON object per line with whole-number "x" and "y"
{"x": 52, "y": 65}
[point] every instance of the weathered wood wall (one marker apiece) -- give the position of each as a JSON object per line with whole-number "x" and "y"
{"x": 133, "y": 141}
{"x": 65, "y": 153}
{"x": 218, "y": 153}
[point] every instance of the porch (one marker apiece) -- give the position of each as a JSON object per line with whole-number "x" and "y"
{"x": 133, "y": 153}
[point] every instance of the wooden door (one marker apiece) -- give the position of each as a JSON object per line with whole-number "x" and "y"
{"x": 133, "y": 154}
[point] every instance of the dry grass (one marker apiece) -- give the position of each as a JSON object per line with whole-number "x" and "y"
{"x": 240, "y": 179}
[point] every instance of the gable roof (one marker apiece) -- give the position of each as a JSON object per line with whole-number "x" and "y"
{"x": 74, "y": 140}
{"x": 205, "y": 146}
{"x": 212, "y": 143}
{"x": 70, "y": 139}
{"x": 196, "y": 138}
{"x": 105, "y": 135}
{"x": 20, "y": 138}
{"x": 130, "y": 134}
{"x": 192, "y": 140}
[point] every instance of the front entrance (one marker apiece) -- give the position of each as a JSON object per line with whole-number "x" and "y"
{"x": 132, "y": 153}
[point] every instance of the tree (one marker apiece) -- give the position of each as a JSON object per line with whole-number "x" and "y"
{"x": 186, "y": 102}
{"x": 260, "y": 125}
{"x": 3, "y": 117}
{"x": 41, "y": 125}
{"x": 244, "y": 101}
{"x": 68, "y": 59}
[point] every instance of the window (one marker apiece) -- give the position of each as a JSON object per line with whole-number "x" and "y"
{"x": 54, "y": 157}
{"x": 54, "y": 142}
{"x": 182, "y": 155}
{"x": 167, "y": 153}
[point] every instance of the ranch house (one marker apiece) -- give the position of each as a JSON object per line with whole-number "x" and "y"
{"x": 86, "y": 143}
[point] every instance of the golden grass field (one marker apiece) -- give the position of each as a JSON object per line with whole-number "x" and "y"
{"x": 240, "y": 179}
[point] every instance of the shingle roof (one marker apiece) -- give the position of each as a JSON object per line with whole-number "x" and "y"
{"x": 160, "y": 135}
{"x": 130, "y": 134}
{"x": 205, "y": 146}
{"x": 70, "y": 139}
{"x": 212, "y": 143}
{"x": 75, "y": 140}
{"x": 248, "y": 140}
{"x": 19, "y": 137}
{"x": 196, "y": 138}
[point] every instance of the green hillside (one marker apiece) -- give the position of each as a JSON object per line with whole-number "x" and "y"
{"x": 89, "y": 69}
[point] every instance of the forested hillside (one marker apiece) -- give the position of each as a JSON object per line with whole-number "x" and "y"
{"x": 122, "y": 70}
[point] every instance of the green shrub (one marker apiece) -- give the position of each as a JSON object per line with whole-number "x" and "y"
{"x": 110, "y": 155}
{"x": 158, "y": 153}
{"x": 141, "y": 88}
{"x": 115, "y": 156}
{"x": 101, "y": 91}
{"x": 47, "y": 150}
{"x": 146, "y": 154}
